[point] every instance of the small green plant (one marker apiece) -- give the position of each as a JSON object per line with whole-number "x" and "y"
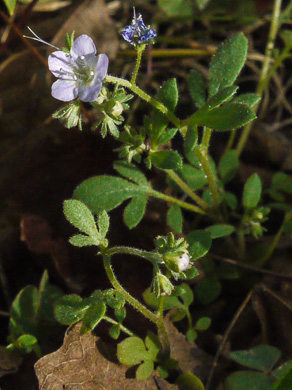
{"x": 262, "y": 359}
{"x": 196, "y": 190}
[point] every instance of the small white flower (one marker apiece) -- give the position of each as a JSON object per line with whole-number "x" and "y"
{"x": 183, "y": 262}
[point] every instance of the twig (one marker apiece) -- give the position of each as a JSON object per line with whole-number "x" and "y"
{"x": 225, "y": 337}
{"x": 251, "y": 267}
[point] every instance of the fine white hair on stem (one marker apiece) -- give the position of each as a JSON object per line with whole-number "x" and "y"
{"x": 38, "y": 39}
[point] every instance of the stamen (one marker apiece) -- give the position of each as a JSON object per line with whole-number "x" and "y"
{"x": 72, "y": 75}
{"x": 38, "y": 39}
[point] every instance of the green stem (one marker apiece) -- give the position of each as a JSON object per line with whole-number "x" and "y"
{"x": 262, "y": 261}
{"x": 204, "y": 160}
{"x": 262, "y": 84}
{"x": 143, "y": 95}
{"x": 171, "y": 199}
{"x": 140, "y": 50}
{"x": 187, "y": 189}
{"x": 152, "y": 257}
{"x": 206, "y": 137}
{"x": 230, "y": 141}
{"x": 190, "y": 321}
{"x": 162, "y": 329}
{"x": 128, "y": 297}
{"x": 122, "y": 327}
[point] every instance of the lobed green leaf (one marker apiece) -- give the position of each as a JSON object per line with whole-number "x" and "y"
{"x": 227, "y": 63}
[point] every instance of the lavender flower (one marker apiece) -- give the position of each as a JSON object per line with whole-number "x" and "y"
{"x": 138, "y": 32}
{"x": 80, "y": 73}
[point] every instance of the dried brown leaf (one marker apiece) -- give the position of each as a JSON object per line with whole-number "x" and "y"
{"x": 79, "y": 365}
{"x": 91, "y": 18}
{"x": 189, "y": 356}
{"x": 9, "y": 362}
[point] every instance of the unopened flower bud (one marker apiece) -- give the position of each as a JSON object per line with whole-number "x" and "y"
{"x": 183, "y": 262}
{"x": 117, "y": 109}
{"x": 166, "y": 286}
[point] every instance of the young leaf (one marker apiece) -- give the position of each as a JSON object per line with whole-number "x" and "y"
{"x": 168, "y": 95}
{"x": 103, "y": 223}
{"x": 200, "y": 242}
{"x": 176, "y": 7}
{"x": 131, "y": 172}
{"x": 107, "y": 192}
{"x": 285, "y": 381}
{"x": 252, "y": 380}
{"x": 191, "y": 139}
{"x": 166, "y": 159}
{"x": 252, "y": 192}
{"x": 80, "y": 216}
{"x": 93, "y": 316}
{"x": 10, "y": 4}
{"x": 70, "y": 309}
{"x": 228, "y": 166}
{"x": 203, "y": 323}
{"x": 195, "y": 178}
{"x": 152, "y": 301}
{"x": 145, "y": 370}
{"x": 175, "y": 218}
{"x": 166, "y": 136}
{"x": 187, "y": 294}
{"x": 23, "y": 312}
{"x": 220, "y": 97}
{"x": 135, "y": 210}
{"x": 250, "y": 99}
{"x": 81, "y": 240}
{"x": 189, "y": 381}
{"x": 47, "y": 296}
{"x": 115, "y": 331}
{"x": 131, "y": 351}
{"x": 262, "y": 357}
{"x": 230, "y": 116}
{"x": 197, "y": 88}
{"x": 191, "y": 335}
{"x": 153, "y": 345}
{"x": 227, "y": 63}
{"x": 218, "y": 231}
{"x": 207, "y": 290}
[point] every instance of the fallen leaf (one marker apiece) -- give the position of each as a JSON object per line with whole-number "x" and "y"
{"x": 79, "y": 365}
{"x": 189, "y": 356}
{"x": 91, "y": 18}
{"x": 9, "y": 361}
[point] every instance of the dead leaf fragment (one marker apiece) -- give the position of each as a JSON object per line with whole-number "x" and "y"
{"x": 9, "y": 362}
{"x": 92, "y": 18}
{"x": 78, "y": 365}
{"x": 189, "y": 356}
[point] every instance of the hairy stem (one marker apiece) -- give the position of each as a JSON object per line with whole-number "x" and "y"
{"x": 262, "y": 261}
{"x": 150, "y": 256}
{"x": 122, "y": 327}
{"x": 140, "y": 50}
{"x": 143, "y": 95}
{"x": 203, "y": 158}
{"x": 187, "y": 189}
{"x": 262, "y": 84}
{"x": 161, "y": 328}
{"x": 128, "y": 297}
{"x": 206, "y": 137}
{"x": 171, "y": 199}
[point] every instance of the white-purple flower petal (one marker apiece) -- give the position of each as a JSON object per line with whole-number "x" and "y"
{"x": 89, "y": 93}
{"x": 101, "y": 66}
{"x": 64, "y": 90}
{"x": 60, "y": 62}
{"x": 80, "y": 73}
{"x": 83, "y": 46}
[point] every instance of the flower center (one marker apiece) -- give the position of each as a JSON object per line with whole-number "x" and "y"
{"x": 81, "y": 71}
